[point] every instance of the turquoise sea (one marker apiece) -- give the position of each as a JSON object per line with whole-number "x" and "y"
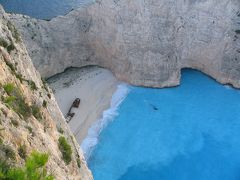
{"x": 42, "y": 9}
{"x": 190, "y": 132}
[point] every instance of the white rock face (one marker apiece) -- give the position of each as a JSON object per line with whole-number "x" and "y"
{"x": 40, "y": 133}
{"x": 142, "y": 42}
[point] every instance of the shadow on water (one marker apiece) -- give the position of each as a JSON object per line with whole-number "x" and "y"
{"x": 189, "y": 70}
{"x": 209, "y": 163}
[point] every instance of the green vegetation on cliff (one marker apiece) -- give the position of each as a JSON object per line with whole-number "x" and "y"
{"x": 34, "y": 169}
{"x": 14, "y": 31}
{"x": 65, "y": 149}
{"x": 9, "y": 46}
{"x": 15, "y": 100}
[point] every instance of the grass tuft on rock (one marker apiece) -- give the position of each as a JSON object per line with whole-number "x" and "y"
{"x": 79, "y": 163}
{"x": 16, "y": 101}
{"x": 9, "y": 88}
{"x": 9, "y": 100}
{"x": 22, "y": 151}
{"x": 32, "y": 85}
{"x": 44, "y": 103}
{"x": 36, "y": 112}
{"x": 3, "y": 43}
{"x": 34, "y": 169}
{"x": 8, "y": 152}
{"x": 65, "y": 149}
{"x": 14, "y": 31}
{"x": 14, "y": 123}
{"x": 60, "y": 130}
{"x": 8, "y": 46}
{"x": 30, "y": 130}
{"x": 45, "y": 84}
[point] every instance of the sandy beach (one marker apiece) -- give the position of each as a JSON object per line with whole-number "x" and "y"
{"x": 93, "y": 85}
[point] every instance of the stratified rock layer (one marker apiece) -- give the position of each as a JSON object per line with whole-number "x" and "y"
{"x": 142, "y": 42}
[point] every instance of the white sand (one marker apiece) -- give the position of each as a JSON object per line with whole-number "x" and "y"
{"x": 94, "y": 86}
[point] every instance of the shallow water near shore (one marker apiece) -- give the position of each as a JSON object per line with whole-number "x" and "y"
{"x": 187, "y": 132}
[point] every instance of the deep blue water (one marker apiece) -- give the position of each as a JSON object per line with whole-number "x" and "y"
{"x": 42, "y": 9}
{"x": 191, "y": 132}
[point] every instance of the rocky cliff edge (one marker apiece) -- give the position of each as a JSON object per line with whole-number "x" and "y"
{"x": 30, "y": 119}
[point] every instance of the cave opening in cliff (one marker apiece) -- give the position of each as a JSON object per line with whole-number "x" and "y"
{"x": 187, "y": 69}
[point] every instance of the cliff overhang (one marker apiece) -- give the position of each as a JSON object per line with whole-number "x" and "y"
{"x": 145, "y": 43}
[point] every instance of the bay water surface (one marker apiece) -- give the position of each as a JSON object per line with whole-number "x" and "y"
{"x": 183, "y": 133}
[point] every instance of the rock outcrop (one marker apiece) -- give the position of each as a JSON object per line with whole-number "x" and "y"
{"x": 29, "y": 115}
{"x": 142, "y": 42}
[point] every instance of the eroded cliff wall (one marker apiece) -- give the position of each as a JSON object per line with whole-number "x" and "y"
{"x": 142, "y": 42}
{"x": 30, "y": 119}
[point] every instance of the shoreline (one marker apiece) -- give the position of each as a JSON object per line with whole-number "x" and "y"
{"x": 108, "y": 115}
{"x": 94, "y": 86}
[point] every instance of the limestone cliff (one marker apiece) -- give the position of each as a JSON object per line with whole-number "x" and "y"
{"x": 29, "y": 116}
{"x": 143, "y": 42}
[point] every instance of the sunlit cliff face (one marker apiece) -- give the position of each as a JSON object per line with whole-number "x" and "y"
{"x": 142, "y": 42}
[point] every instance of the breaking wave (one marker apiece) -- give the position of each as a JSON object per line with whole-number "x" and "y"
{"x": 91, "y": 140}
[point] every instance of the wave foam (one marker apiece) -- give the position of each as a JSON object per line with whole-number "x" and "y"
{"x": 91, "y": 140}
